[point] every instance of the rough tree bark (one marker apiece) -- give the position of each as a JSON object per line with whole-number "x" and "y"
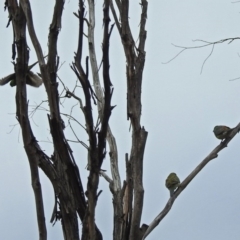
{"x": 60, "y": 168}
{"x": 73, "y": 202}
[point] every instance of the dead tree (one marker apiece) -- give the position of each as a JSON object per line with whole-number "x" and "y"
{"x": 72, "y": 201}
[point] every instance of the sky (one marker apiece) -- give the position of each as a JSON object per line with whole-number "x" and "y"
{"x": 180, "y": 107}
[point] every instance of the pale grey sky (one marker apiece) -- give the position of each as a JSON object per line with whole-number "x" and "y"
{"x": 180, "y": 109}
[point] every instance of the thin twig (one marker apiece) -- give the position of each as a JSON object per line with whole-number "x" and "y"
{"x": 207, "y": 43}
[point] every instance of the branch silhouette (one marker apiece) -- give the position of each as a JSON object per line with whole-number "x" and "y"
{"x": 188, "y": 179}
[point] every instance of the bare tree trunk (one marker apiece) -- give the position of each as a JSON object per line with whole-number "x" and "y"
{"x": 71, "y": 202}
{"x": 60, "y": 168}
{"x": 115, "y": 182}
{"x": 135, "y": 57}
{"x": 97, "y": 138}
{"x": 30, "y": 144}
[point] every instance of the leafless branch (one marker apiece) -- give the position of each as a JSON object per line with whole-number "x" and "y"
{"x": 229, "y": 40}
{"x": 135, "y": 66}
{"x": 188, "y": 179}
{"x": 234, "y": 79}
{"x": 207, "y": 58}
{"x": 107, "y": 178}
{"x": 115, "y": 16}
{"x": 116, "y": 182}
{"x": 31, "y": 146}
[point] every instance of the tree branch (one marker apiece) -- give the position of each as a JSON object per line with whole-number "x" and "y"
{"x": 188, "y": 179}
{"x": 31, "y": 147}
{"x": 71, "y": 199}
{"x": 115, "y": 184}
{"x": 134, "y": 68}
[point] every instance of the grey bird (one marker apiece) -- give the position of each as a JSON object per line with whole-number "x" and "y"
{"x": 31, "y": 78}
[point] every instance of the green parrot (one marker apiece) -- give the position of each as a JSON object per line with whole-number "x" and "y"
{"x": 31, "y": 78}
{"x": 172, "y": 182}
{"x": 221, "y": 131}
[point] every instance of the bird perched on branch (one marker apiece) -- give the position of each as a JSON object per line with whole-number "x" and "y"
{"x": 172, "y": 182}
{"x": 31, "y": 78}
{"x": 221, "y": 131}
